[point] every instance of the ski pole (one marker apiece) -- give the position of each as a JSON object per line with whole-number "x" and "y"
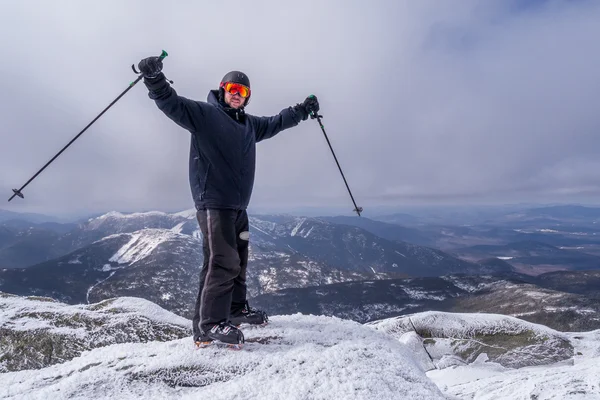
{"x": 318, "y": 117}
{"x": 17, "y": 192}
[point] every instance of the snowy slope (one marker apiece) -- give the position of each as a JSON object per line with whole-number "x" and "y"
{"x": 295, "y": 357}
{"x": 159, "y": 265}
{"x": 143, "y": 242}
{"x": 158, "y": 256}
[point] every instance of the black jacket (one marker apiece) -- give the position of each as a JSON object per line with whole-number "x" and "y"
{"x": 222, "y": 151}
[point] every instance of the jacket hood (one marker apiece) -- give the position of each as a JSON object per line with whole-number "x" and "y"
{"x": 213, "y": 98}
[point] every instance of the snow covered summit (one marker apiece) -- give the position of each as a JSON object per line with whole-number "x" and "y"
{"x": 294, "y": 357}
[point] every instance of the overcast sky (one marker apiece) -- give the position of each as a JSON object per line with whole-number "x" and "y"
{"x": 424, "y": 101}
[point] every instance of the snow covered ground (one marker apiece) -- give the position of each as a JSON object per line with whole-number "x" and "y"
{"x": 295, "y": 357}
{"x": 37, "y": 332}
{"x": 574, "y": 379}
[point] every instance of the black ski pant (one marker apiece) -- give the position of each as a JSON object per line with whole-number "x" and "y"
{"x": 222, "y": 288}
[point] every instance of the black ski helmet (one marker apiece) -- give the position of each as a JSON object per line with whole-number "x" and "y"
{"x": 235, "y": 77}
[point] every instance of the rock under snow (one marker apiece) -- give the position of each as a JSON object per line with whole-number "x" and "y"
{"x": 454, "y": 338}
{"x": 576, "y": 379}
{"x": 36, "y": 332}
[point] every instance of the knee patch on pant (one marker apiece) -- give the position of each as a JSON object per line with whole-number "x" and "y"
{"x": 245, "y": 235}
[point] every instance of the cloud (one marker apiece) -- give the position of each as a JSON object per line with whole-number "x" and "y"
{"x": 422, "y": 101}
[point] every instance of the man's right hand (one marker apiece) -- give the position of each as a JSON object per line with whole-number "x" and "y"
{"x": 150, "y": 67}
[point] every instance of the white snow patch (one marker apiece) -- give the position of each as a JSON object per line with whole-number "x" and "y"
{"x": 87, "y": 295}
{"x": 536, "y": 294}
{"x": 488, "y": 380}
{"x": 414, "y": 343}
{"x": 504, "y": 258}
{"x": 307, "y": 234}
{"x": 260, "y": 230}
{"x": 295, "y": 230}
{"x": 177, "y": 228}
{"x": 141, "y": 245}
{"x": 416, "y": 294}
{"x": 75, "y": 260}
{"x": 116, "y": 214}
{"x": 466, "y": 286}
{"x": 400, "y": 253}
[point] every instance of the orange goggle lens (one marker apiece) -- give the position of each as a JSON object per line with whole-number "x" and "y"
{"x": 234, "y": 88}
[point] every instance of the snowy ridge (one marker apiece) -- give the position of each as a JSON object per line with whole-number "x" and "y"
{"x": 23, "y": 313}
{"x": 187, "y": 214}
{"x": 443, "y": 324}
{"x": 117, "y": 214}
{"x": 286, "y": 225}
{"x": 457, "y": 339}
{"x": 117, "y": 222}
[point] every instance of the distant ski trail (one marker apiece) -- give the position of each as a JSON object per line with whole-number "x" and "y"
{"x": 260, "y": 230}
{"x": 87, "y": 296}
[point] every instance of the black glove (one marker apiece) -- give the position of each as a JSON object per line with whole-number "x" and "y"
{"x": 150, "y": 67}
{"x": 311, "y": 104}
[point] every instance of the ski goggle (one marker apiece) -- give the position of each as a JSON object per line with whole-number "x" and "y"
{"x": 233, "y": 88}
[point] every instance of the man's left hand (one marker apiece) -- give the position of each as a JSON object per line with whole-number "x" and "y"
{"x": 303, "y": 110}
{"x": 311, "y": 104}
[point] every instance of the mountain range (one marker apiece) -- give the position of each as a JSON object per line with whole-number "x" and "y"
{"x": 460, "y": 319}
{"x": 158, "y": 256}
{"x": 566, "y": 301}
{"x": 351, "y": 267}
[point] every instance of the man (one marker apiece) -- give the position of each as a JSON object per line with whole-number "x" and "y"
{"x": 221, "y": 173}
